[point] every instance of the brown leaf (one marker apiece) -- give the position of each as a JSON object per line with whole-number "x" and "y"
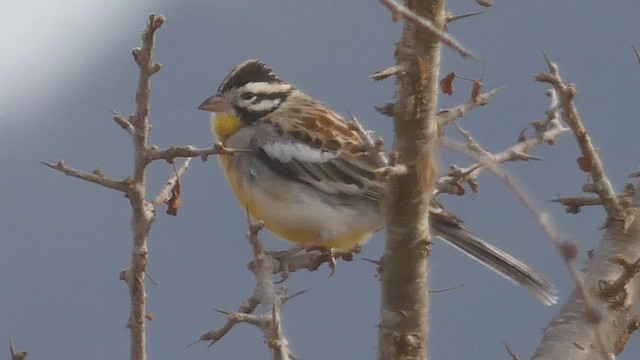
{"x": 173, "y": 205}
{"x": 585, "y": 163}
{"x": 446, "y": 84}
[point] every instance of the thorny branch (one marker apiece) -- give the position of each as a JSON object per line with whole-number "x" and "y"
{"x": 143, "y": 211}
{"x": 447, "y": 116}
{"x": 546, "y": 131}
{"x": 570, "y": 115}
{"x": 267, "y": 293}
{"x": 605, "y": 297}
{"x": 95, "y": 177}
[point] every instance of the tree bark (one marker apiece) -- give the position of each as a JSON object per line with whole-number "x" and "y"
{"x": 404, "y": 316}
{"x": 581, "y": 331}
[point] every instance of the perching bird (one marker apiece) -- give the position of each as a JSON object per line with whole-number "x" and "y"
{"x": 302, "y": 170}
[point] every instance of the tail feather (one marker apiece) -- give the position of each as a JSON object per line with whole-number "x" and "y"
{"x": 452, "y": 231}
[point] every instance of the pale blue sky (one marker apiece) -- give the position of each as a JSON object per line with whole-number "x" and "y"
{"x": 65, "y": 65}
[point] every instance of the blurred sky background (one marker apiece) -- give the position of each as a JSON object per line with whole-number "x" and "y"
{"x": 65, "y": 65}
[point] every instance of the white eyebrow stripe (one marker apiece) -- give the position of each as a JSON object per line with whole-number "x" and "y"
{"x": 266, "y": 87}
{"x": 285, "y": 151}
{"x": 264, "y": 105}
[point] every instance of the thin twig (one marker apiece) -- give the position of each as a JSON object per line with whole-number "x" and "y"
{"x": 447, "y": 116}
{"x": 574, "y": 203}
{"x": 165, "y": 193}
{"x": 264, "y": 293}
{"x": 188, "y": 151}
{"x": 95, "y": 178}
{"x": 565, "y": 247}
{"x": 545, "y": 132}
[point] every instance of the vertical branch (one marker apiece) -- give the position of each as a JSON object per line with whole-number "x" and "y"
{"x": 405, "y": 303}
{"x": 143, "y": 212}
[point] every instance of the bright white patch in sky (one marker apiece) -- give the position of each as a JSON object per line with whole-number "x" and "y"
{"x": 44, "y": 43}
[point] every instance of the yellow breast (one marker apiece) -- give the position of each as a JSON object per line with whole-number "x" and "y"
{"x": 225, "y": 125}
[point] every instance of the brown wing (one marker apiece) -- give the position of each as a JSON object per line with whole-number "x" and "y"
{"x": 316, "y": 146}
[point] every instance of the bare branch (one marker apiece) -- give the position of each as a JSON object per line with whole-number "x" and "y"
{"x": 489, "y": 164}
{"x": 214, "y": 336}
{"x": 566, "y": 94}
{"x": 400, "y": 11}
{"x": 96, "y": 177}
{"x": 188, "y": 152}
{"x": 404, "y": 314}
{"x": 545, "y": 132}
{"x": 264, "y": 293}
{"x": 573, "y": 204}
{"x": 589, "y": 323}
{"x": 447, "y": 116}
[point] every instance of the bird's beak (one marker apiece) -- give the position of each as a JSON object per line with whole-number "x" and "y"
{"x": 214, "y": 104}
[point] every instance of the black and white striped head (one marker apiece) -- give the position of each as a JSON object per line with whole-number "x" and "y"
{"x": 251, "y": 90}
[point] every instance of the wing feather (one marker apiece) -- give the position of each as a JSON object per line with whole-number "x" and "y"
{"x": 317, "y": 147}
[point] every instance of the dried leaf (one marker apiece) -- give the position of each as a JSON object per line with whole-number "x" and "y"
{"x": 585, "y": 163}
{"x": 446, "y": 84}
{"x": 173, "y": 205}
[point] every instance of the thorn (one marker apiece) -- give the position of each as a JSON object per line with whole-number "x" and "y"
{"x": 636, "y": 52}
{"x": 451, "y": 18}
{"x": 287, "y": 298}
{"x": 223, "y": 312}
{"x": 388, "y": 72}
{"x": 375, "y": 262}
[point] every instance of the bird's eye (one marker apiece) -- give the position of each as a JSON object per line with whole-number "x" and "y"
{"x": 247, "y": 96}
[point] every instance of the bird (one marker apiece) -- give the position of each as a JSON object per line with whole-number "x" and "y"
{"x": 305, "y": 173}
